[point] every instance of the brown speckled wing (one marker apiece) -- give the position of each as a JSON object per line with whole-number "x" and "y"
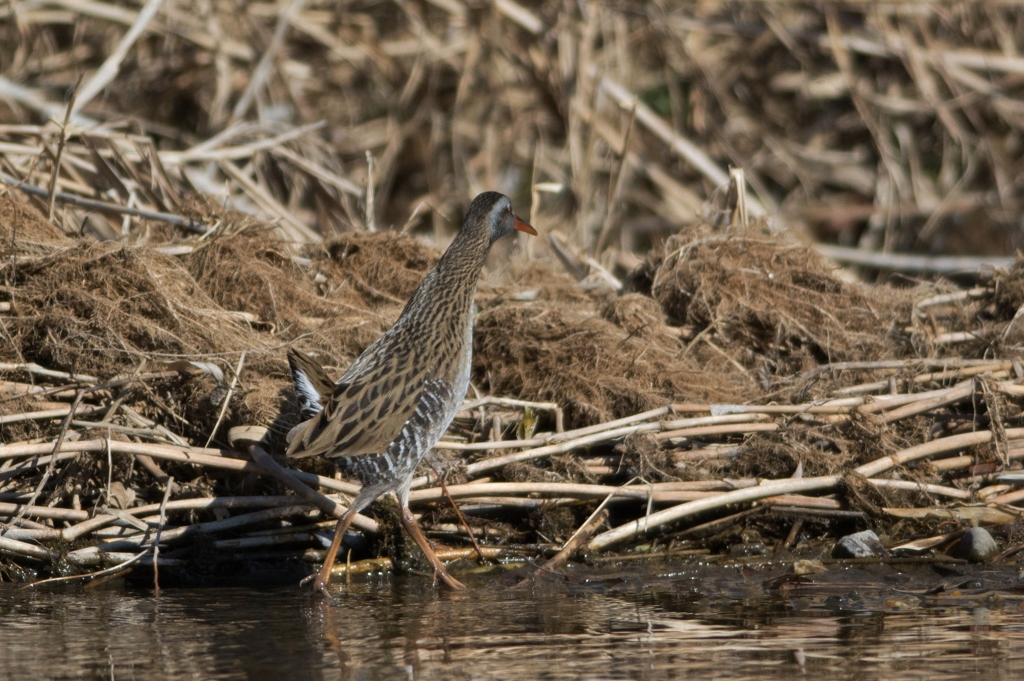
{"x": 366, "y": 412}
{"x": 420, "y": 363}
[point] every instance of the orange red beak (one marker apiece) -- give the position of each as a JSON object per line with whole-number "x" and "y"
{"x": 523, "y": 226}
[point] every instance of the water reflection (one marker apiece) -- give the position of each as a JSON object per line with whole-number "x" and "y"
{"x": 404, "y": 629}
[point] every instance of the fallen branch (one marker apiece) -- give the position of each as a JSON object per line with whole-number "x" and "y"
{"x": 773, "y": 488}
{"x": 104, "y": 207}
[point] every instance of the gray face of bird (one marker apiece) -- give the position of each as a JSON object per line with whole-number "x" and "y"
{"x": 501, "y": 220}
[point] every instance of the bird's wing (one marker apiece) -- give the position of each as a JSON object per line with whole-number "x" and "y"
{"x": 367, "y": 415}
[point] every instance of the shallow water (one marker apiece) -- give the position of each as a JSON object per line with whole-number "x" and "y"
{"x": 702, "y": 623}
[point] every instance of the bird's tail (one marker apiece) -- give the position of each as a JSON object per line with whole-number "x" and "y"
{"x": 313, "y": 387}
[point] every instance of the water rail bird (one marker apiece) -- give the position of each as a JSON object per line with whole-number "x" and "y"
{"x": 379, "y": 420}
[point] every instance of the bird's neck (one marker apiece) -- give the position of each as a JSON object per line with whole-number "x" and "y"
{"x": 462, "y": 262}
{"x": 447, "y": 291}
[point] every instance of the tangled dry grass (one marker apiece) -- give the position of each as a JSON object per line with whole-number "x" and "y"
{"x": 226, "y": 182}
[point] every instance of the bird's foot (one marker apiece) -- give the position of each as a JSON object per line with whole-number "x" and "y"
{"x": 450, "y": 581}
{"x": 441, "y": 572}
{"x": 322, "y": 590}
{"x": 319, "y": 583}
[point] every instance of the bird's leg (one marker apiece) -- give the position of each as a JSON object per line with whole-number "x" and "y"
{"x": 324, "y": 576}
{"x": 409, "y": 523}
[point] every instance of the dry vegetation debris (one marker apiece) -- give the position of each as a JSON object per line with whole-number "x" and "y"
{"x": 246, "y": 178}
{"x": 131, "y": 334}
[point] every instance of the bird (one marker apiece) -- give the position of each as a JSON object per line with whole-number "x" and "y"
{"x": 392, "y": 405}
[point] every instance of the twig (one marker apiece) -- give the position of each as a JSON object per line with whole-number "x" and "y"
{"x": 951, "y": 396}
{"x": 614, "y": 191}
{"x": 91, "y": 575}
{"x": 227, "y": 398}
{"x": 706, "y": 431}
{"x": 111, "y": 65}
{"x": 171, "y": 453}
{"x": 522, "y": 16}
{"x": 141, "y": 538}
{"x": 90, "y": 525}
{"x": 679, "y": 144}
{"x": 53, "y": 456}
{"x": 507, "y": 402}
{"x": 934, "y": 264}
{"x": 455, "y": 507}
{"x": 579, "y": 537}
{"x": 922, "y": 487}
{"x": 939, "y": 446}
{"x": 33, "y": 368}
{"x": 291, "y": 479}
{"x": 562, "y": 436}
{"x": 61, "y": 142}
{"x": 297, "y": 230}
{"x": 767, "y": 489}
{"x": 567, "y": 442}
{"x": 156, "y": 540}
{"x": 262, "y": 70}
{"x": 22, "y": 510}
{"x": 20, "y": 548}
{"x": 657, "y": 492}
{"x": 35, "y": 100}
{"x": 212, "y": 149}
{"x": 774, "y": 488}
{"x": 371, "y": 201}
{"x": 48, "y": 414}
{"x": 976, "y": 293}
{"x": 103, "y": 207}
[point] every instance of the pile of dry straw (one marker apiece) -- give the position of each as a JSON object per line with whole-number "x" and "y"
{"x": 218, "y": 188}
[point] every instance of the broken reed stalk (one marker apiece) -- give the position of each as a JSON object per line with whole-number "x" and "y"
{"x": 837, "y": 175}
{"x": 776, "y": 487}
{"x": 103, "y": 206}
{"x": 52, "y": 463}
{"x": 130, "y": 530}
{"x": 932, "y": 264}
{"x": 386, "y": 565}
{"x": 659, "y": 493}
{"x": 90, "y": 576}
{"x": 571, "y": 546}
{"x": 289, "y": 478}
{"x": 156, "y": 540}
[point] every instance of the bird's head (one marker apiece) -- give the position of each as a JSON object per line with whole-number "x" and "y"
{"x": 492, "y": 212}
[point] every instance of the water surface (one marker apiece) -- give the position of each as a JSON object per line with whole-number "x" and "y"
{"x": 658, "y": 624}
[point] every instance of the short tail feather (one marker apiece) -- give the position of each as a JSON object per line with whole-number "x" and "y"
{"x": 312, "y": 384}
